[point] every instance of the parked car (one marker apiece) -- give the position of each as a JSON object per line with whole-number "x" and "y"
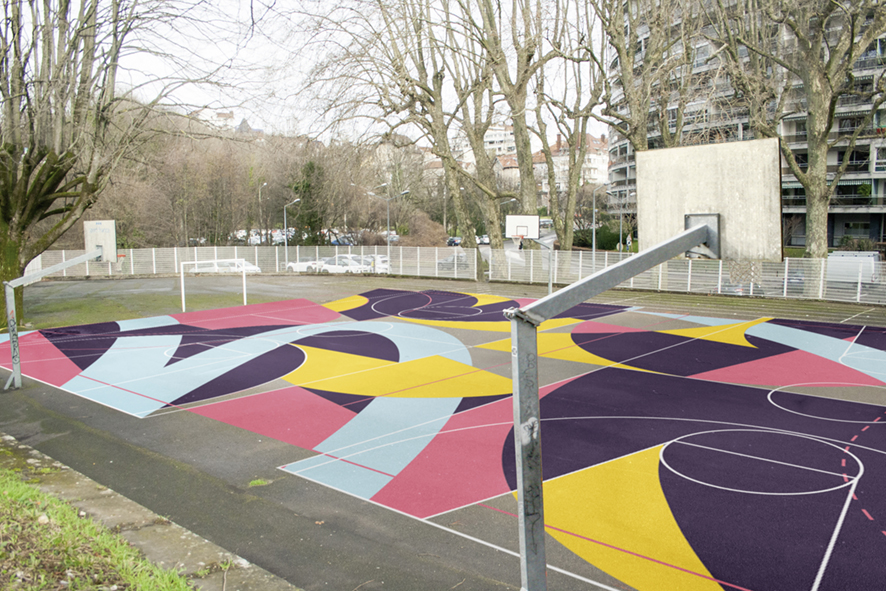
{"x": 224, "y": 266}
{"x": 484, "y": 239}
{"x": 453, "y": 241}
{"x": 344, "y": 263}
{"x": 305, "y": 265}
{"x": 449, "y": 263}
{"x": 379, "y": 263}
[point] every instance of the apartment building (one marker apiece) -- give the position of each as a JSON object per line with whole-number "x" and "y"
{"x": 858, "y": 208}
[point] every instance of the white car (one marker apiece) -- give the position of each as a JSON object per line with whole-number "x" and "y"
{"x": 344, "y": 263}
{"x": 225, "y": 266}
{"x": 305, "y": 265}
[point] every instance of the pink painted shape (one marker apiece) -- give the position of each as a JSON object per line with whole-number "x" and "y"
{"x": 41, "y": 360}
{"x": 591, "y": 327}
{"x": 292, "y": 415}
{"x": 292, "y": 312}
{"x": 523, "y": 301}
{"x": 461, "y": 466}
{"x": 794, "y": 367}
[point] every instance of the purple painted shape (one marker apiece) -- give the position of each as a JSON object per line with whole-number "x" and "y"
{"x": 873, "y": 337}
{"x": 765, "y": 462}
{"x": 629, "y": 411}
{"x": 83, "y": 344}
{"x": 590, "y": 311}
{"x": 354, "y": 342}
{"x": 386, "y": 302}
{"x": 757, "y": 542}
{"x": 264, "y": 368}
{"x": 673, "y": 354}
{"x": 827, "y": 409}
{"x": 477, "y": 401}
{"x": 351, "y": 402}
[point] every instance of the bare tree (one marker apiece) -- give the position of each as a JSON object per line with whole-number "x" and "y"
{"x": 64, "y": 125}
{"x": 799, "y": 55}
{"x": 570, "y": 106}
{"x": 652, "y": 67}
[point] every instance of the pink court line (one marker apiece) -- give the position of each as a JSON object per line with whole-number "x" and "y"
{"x": 132, "y": 392}
{"x": 877, "y": 419}
{"x": 610, "y": 546}
{"x": 854, "y": 437}
{"x": 866, "y": 427}
{"x": 868, "y": 515}
{"x": 843, "y": 462}
{"x": 338, "y": 459}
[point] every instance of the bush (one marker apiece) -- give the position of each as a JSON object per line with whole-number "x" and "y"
{"x": 606, "y": 238}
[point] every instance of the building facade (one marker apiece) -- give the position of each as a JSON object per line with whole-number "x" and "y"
{"x": 858, "y": 207}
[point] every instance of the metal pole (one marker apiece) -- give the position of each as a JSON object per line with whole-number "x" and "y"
{"x": 260, "y": 222}
{"x": 527, "y": 444}
{"x": 12, "y": 323}
{"x": 286, "y": 235}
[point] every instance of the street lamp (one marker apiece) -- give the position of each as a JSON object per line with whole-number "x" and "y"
{"x": 286, "y": 234}
{"x": 260, "y": 229}
{"x": 387, "y": 201}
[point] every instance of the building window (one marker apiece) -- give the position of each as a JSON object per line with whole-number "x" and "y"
{"x": 857, "y": 229}
{"x": 880, "y": 164}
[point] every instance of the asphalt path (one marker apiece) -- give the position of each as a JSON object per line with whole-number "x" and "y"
{"x": 197, "y": 472}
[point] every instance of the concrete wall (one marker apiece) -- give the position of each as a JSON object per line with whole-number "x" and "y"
{"x": 741, "y": 181}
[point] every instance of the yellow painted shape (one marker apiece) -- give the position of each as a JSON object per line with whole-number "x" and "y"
{"x": 319, "y": 364}
{"x": 732, "y": 334}
{"x": 559, "y": 345}
{"x": 429, "y": 377}
{"x": 349, "y": 303}
{"x": 621, "y": 504}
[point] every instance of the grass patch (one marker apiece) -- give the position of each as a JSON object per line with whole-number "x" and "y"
{"x": 259, "y": 482}
{"x": 95, "y": 308}
{"x": 793, "y": 252}
{"x": 45, "y": 544}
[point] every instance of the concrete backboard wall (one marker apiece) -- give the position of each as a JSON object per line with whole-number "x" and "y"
{"x": 101, "y": 233}
{"x": 741, "y": 181}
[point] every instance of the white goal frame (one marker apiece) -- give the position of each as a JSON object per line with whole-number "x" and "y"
{"x": 182, "y": 274}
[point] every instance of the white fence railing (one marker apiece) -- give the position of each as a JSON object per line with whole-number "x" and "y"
{"x": 793, "y": 278}
{"x": 445, "y": 262}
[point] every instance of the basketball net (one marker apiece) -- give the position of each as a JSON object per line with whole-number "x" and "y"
{"x": 517, "y": 240}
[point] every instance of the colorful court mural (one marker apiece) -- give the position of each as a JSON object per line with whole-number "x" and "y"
{"x": 679, "y": 452}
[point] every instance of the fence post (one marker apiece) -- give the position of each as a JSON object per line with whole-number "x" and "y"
{"x": 821, "y": 279}
{"x": 785, "y": 292}
{"x": 131, "y": 263}
{"x": 858, "y": 292}
{"x": 579, "y": 265}
{"x": 65, "y": 270}
{"x": 531, "y": 265}
{"x": 720, "y": 277}
{"x": 688, "y": 278}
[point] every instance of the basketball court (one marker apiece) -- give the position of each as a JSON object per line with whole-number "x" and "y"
{"x": 680, "y": 452}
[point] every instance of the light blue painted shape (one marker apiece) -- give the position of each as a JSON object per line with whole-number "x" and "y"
{"x": 384, "y": 437}
{"x": 703, "y": 320}
{"x": 142, "y": 323}
{"x": 344, "y": 476}
{"x": 858, "y": 357}
{"x": 133, "y": 376}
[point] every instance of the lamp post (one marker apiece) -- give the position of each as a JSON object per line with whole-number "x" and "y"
{"x": 387, "y": 201}
{"x": 261, "y": 235}
{"x": 286, "y": 235}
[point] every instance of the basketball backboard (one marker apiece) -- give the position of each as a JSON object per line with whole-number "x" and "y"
{"x": 101, "y": 233}
{"x": 525, "y": 226}
{"x": 740, "y": 181}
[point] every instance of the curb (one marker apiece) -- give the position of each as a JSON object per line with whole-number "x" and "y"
{"x": 168, "y": 545}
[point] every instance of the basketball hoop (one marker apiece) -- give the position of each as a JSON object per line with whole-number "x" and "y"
{"x": 517, "y": 240}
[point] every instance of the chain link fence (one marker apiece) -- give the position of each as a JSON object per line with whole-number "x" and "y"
{"x": 861, "y": 282}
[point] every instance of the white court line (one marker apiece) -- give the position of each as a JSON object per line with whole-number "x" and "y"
{"x": 855, "y": 315}
{"x": 758, "y": 458}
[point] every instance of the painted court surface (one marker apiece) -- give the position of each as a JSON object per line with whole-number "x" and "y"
{"x": 679, "y": 452}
